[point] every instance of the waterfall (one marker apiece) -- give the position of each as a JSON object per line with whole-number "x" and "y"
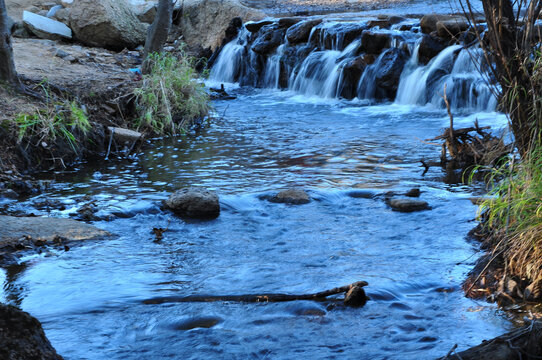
{"x": 454, "y": 68}
{"x": 332, "y": 64}
{"x": 418, "y": 82}
{"x": 229, "y": 63}
{"x": 321, "y": 72}
{"x": 272, "y": 69}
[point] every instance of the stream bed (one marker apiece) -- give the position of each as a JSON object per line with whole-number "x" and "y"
{"x": 346, "y": 155}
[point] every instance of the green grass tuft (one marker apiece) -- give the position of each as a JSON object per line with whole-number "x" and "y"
{"x": 170, "y": 97}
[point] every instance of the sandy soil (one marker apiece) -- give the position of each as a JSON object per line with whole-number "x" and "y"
{"x": 80, "y": 69}
{"x": 293, "y": 7}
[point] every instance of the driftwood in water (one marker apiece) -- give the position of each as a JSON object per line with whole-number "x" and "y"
{"x": 524, "y": 343}
{"x": 355, "y": 296}
{"x": 469, "y": 146}
{"x": 221, "y": 94}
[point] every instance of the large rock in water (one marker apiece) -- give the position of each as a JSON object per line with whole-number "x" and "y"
{"x": 269, "y": 38}
{"x": 408, "y": 205}
{"x": 430, "y": 47}
{"x": 194, "y": 203}
{"x": 22, "y": 337}
{"x": 45, "y": 228}
{"x": 389, "y": 72}
{"x": 204, "y": 22}
{"x": 46, "y": 28}
{"x": 292, "y": 197}
{"x": 300, "y": 32}
{"x": 106, "y": 23}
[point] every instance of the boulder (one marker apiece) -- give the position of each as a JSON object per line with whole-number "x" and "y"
{"x": 203, "y": 22}
{"x": 22, "y": 336}
{"x": 408, "y": 205}
{"x": 389, "y": 71}
{"x": 232, "y": 30}
{"x": 106, "y": 23}
{"x": 288, "y": 22}
{"x": 352, "y": 72}
{"x": 374, "y": 42}
{"x": 301, "y": 31}
{"x": 428, "y": 23}
{"x": 146, "y": 13}
{"x": 292, "y": 197}
{"x": 385, "y": 21}
{"x": 341, "y": 35}
{"x": 269, "y": 38}
{"x": 452, "y": 28}
{"x": 46, "y": 28}
{"x": 194, "y": 203}
{"x": 430, "y": 47}
{"x": 254, "y": 27}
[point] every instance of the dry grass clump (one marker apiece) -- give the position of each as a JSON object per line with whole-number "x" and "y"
{"x": 514, "y": 214}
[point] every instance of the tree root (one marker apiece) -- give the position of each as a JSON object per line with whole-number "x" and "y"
{"x": 355, "y": 296}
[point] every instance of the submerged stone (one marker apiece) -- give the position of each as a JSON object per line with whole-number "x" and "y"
{"x": 408, "y": 205}
{"x": 292, "y": 197}
{"x": 46, "y": 228}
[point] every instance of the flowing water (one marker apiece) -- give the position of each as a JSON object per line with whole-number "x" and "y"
{"x": 347, "y": 155}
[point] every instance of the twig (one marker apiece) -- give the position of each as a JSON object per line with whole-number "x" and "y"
{"x": 110, "y": 141}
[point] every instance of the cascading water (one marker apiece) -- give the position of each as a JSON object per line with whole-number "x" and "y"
{"x": 321, "y": 73}
{"x": 332, "y": 63}
{"x": 454, "y": 69}
{"x": 230, "y": 61}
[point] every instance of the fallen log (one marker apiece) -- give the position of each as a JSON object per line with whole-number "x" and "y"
{"x": 524, "y": 343}
{"x": 355, "y": 296}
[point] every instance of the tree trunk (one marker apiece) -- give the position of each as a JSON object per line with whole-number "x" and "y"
{"x": 511, "y": 45}
{"x": 7, "y": 66}
{"x": 159, "y": 30}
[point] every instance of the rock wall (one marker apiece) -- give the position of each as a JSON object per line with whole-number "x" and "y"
{"x": 203, "y": 22}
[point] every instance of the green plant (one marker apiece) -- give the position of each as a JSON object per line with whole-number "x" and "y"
{"x": 515, "y": 201}
{"x": 62, "y": 121}
{"x": 170, "y": 97}
{"x": 513, "y": 214}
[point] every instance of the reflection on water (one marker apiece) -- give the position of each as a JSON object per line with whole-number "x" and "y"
{"x": 346, "y": 155}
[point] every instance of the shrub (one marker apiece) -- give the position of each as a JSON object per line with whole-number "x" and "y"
{"x": 170, "y": 98}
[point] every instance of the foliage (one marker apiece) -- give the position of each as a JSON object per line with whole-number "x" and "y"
{"x": 170, "y": 97}
{"x": 513, "y": 212}
{"x": 56, "y": 121}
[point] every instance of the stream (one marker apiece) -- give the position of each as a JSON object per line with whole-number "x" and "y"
{"x": 346, "y": 154}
